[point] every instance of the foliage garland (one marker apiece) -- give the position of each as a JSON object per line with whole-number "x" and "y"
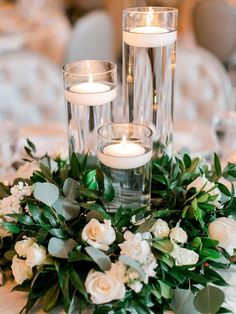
{"x": 66, "y": 196}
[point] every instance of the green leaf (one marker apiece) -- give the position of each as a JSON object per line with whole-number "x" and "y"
{"x": 67, "y": 208}
{"x": 77, "y": 282}
{"x": 223, "y": 189}
{"x": 182, "y": 302}
{"x": 78, "y": 256}
{"x": 214, "y": 277}
{"x": 45, "y": 171}
{"x": 59, "y": 233}
{"x": 187, "y": 161}
{"x": 22, "y": 218}
{"x": 217, "y": 165}
{"x": 12, "y": 227}
{"x": 166, "y": 290}
{"x": 209, "y": 300}
{"x": 75, "y": 166}
{"x": 71, "y": 188}
{"x": 165, "y": 246}
{"x": 51, "y": 298}
{"x": 34, "y": 210}
{"x": 100, "y": 258}
{"x": 60, "y": 248}
{"x": 46, "y": 193}
{"x": 97, "y": 208}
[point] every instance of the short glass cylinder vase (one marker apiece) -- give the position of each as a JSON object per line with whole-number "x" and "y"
{"x": 90, "y": 89}
{"x": 149, "y": 54}
{"x": 124, "y": 154}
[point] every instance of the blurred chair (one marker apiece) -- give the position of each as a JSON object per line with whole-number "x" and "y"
{"x": 31, "y": 90}
{"x": 202, "y": 90}
{"x": 214, "y": 23}
{"x": 92, "y": 38}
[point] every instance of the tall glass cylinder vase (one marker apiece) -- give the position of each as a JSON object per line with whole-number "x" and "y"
{"x": 149, "y": 54}
{"x": 90, "y": 89}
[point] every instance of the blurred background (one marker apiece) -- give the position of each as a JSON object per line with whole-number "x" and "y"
{"x": 38, "y": 36}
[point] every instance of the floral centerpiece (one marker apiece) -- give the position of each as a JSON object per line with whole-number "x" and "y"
{"x": 64, "y": 247}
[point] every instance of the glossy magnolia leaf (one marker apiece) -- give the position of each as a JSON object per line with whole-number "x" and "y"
{"x": 209, "y": 300}
{"x": 67, "y": 208}
{"x": 60, "y": 248}
{"x": 99, "y": 257}
{"x": 46, "y": 193}
{"x": 183, "y": 302}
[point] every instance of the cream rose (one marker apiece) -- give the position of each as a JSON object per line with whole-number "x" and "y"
{"x": 160, "y": 229}
{"x": 21, "y": 247}
{"x": 104, "y": 287}
{"x": 36, "y": 255}
{"x": 177, "y": 234}
{"x": 224, "y": 230}
{"x": 20, "y": 270}
{"x": 184, "y": 256}
{"x": 99, "y": 235}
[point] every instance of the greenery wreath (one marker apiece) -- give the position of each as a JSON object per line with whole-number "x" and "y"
{"x": 65, "y": 248}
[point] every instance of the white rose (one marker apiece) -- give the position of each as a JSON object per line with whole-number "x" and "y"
{"x": 169, "y": 312}
{"x": 104, "y": 288}
{"x": 224, "y": 230}
{"x": 21, "y": 247}
{"x": 36, "y": 255}
{"x": 26, "y": 170}
{"x": 10, "y": 205}
{"x": 20, "y": 270}
{"x": 201, "y": 182}
{"x": 20, "y": 190}
{"x": 135, "y": 247}
{"x": 178, "y": 235}
{"x": 184, "y": 256}
{"x": 99, "y": 235}
{"x": 160, "y": 229}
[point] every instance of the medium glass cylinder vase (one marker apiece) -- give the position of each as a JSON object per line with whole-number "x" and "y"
{"x": 90, "y": 89}
{"x": 149, "y": 54}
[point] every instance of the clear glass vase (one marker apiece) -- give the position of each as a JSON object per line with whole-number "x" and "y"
{"x": 149, "y": 54}
{"x": 90, "y": 89}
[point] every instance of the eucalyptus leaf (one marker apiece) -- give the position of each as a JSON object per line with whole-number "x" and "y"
{"x": 182, "y": 302}
{"x": 209, "y": 300}
{"x": 128, "y": 261}
{"x": 99, "y": 257}
{"x": 60, "y": 248}
{"x": 71, "y": 188}
{"x": 67, "y": 208}
{"x": 46, "y": 193}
